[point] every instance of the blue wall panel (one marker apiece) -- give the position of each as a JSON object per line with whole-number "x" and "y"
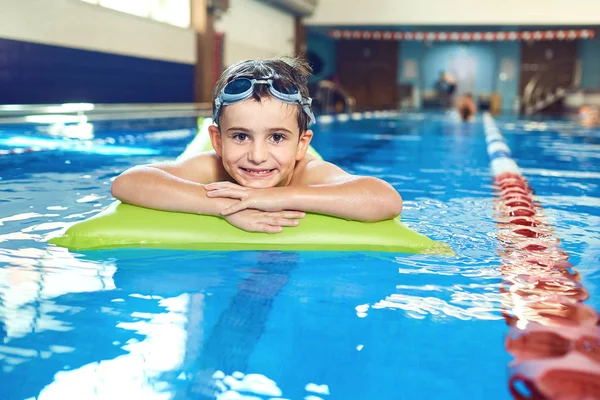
{"x": 325, "y": 48}
{"x": 589, "y": 54}
{"x": 32, "y": 73}
{"x": 507, "y": 79}
{"x": 439, "y": 57}
{"x": 488, "y": 57}
{"x": 412, "y": 52}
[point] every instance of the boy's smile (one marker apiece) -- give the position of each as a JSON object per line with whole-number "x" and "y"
{"x": 259, "y": 143}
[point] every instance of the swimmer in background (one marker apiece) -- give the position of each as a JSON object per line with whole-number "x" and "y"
{"x": 589, "y": 116}
{"x": 260, "y": 176}
{"x": 466, "y": 107}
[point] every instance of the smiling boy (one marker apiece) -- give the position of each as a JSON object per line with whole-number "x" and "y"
{"x": 259, "y": 177}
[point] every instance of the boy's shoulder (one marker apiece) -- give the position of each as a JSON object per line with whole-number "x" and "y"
{"x": 204, "y": 168}
{"x": 205, "y": 158}
{"x": 314, "y": 171}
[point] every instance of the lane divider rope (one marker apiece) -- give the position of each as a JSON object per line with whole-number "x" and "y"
{"x": 553, "y": 337}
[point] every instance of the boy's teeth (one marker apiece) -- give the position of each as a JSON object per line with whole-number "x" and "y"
{"x": 261, "y": 171}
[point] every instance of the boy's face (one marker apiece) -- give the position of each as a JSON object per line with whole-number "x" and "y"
{"x": 260, "y": 143}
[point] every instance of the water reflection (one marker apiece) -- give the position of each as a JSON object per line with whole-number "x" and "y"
{"x": 32, "y": 278}
{"x": 156, "y": 346}
{"x": 231, "y": 341}
{"x": 127, "y": 334}
{"x": 34, "y": 285}
{"x": 150, "y": 337}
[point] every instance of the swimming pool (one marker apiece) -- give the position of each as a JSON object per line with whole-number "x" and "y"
{"x": 265, "y": 325}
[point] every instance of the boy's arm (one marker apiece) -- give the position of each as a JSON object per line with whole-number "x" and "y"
{"x": 179, "y": 186}
{"x": 323, "y": 188}
{"x": 329, "y": 190}
{"x": 173, "y": 186}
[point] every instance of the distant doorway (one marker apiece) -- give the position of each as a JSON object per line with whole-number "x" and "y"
{"x": 368, "y": 70}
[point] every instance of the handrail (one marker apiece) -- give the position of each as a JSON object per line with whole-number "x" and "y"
{"x": 548, "y": 85}
{"x": 325, "y": 97}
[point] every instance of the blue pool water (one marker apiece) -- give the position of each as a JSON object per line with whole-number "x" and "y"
{"x": 278, "y": 325}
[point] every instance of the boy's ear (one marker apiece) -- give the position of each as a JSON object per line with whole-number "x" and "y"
{"x": 303, "y": 144}
{"x": 215, "y": 138}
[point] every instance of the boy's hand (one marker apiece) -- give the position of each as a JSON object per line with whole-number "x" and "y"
{"x": 258, "y": 199}
{"x": 261, "y": 221}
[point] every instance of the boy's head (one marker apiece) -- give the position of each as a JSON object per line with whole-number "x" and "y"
{"x": 287, "y": 75}
{"x": 262, "y": 110}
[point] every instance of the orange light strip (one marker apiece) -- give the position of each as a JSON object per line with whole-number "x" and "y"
{"x": 561, "y": 34}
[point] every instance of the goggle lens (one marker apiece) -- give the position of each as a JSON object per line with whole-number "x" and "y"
{"x": 238, "y": 86}
{"x": 281, "y": 88}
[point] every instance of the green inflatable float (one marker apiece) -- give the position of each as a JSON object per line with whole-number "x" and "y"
{"x": 127, "y": 226}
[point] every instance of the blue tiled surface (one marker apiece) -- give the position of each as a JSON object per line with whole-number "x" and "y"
{"x": 32, "y": 73}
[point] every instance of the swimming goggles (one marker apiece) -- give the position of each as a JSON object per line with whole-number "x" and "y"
{"x": 242, "y": 88}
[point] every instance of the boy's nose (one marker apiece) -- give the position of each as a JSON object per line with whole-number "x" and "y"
{"x": 258, "y": 154}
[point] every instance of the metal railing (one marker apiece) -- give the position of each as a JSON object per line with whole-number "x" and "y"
{"x": 331, "y": 98}
{"x": 549, "y": 84}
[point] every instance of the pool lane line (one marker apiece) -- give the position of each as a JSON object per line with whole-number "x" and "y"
{"x": 553, "y": 337}
{"x": 356, "y": 116}
{"x": 19, "y": 150}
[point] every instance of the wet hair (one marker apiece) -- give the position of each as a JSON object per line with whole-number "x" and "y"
{"x": 290, "y": 71}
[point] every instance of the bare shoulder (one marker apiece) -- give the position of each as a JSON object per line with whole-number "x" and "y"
{"x": 313, "y": 171}
{"x": 202, "y": 168}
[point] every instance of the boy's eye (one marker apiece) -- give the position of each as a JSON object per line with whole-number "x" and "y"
{"x": 240, "y": 137}
{"x": 278, "y": 137}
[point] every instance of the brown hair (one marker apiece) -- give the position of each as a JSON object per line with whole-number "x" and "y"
{"x": 290, "y": 71}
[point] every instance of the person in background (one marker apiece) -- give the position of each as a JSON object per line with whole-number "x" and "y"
{"x": 445, "y": 87}
{"x": 589, "y": 116}
{"x": 466, "y": 107}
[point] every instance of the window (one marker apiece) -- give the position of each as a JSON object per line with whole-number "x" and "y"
{"x": 173, "y": 12}
{"x": 141, "y": 8}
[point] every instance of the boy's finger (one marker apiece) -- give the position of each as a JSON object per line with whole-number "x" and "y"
{"x": 272, "y": 228}
{"x": 230, "y": 185}
{"x": 234, "y": 208}
{"x": 286, "y": 222}
{"x": 290, "y": 214}
{"x": 214, "y": 185}
{"x": 278, "y": 221}
{"x": 221, "y": 185}
{"x": 230, "y": 193}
